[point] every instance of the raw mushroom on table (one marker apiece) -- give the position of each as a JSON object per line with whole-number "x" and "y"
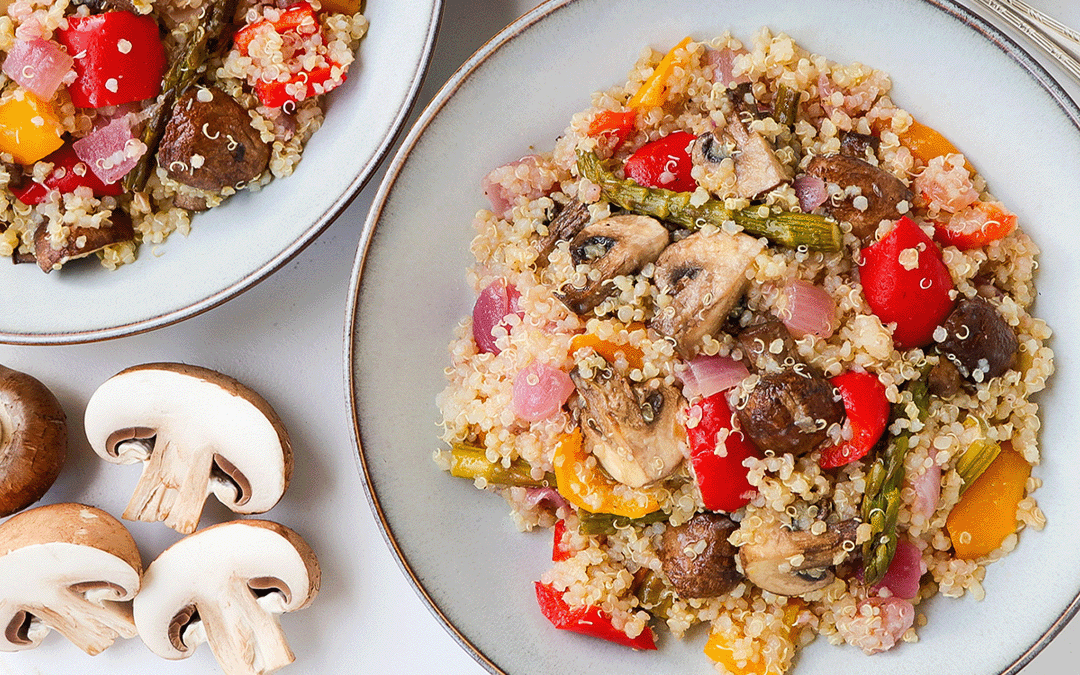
{"x": 69, "y": 568}
{"x": 226, "y": 585}
{"x": 198, "y": 432}
{"x": 33, "y": 440}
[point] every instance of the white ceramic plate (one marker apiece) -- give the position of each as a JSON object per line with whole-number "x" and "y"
{"x": 240, "y": 243}
{"x": 458, "y": 545}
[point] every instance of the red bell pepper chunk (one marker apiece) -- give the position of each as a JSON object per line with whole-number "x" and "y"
{"x": 867, "y": 410}
{"x": 664, "y": 163}
{"x": 67, "y": 174}
{"x": 559, "y": 550}
{"x": 720, "y": 477}
{"x": 294, "y": 17}
{"x": 276, "y": 94}
{"x": 588, "y": 620}
{"x": 119, "y": 58}
{"x": 917, "y": 300}
{"x": 975, "y": 226}
{"x": 612, "y": 128}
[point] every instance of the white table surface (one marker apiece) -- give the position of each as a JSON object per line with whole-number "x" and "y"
{"x": 284, "y": 338}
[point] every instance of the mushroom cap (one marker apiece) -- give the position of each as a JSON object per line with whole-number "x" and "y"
{"x": 33, "y": 440}
{"x": 229, "y": 564}
{"x": 59, "y": 565}
{"x": 201, "y": 411}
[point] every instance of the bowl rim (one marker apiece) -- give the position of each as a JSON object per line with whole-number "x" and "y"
{"x": 262, "y": 272}
{"x": 996, "y": 36}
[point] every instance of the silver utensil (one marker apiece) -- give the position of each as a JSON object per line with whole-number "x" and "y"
{"x": 1054, "y": 37}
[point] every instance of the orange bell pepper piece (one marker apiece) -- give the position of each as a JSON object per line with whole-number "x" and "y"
{"x": 29, "y": 128}
{"x": 926, "y": 143}
{"x": 654, "y": 90}
{"x": 609, "y": 350}
{"x": 588, "y": 487}
{"x": 986, "y": 514}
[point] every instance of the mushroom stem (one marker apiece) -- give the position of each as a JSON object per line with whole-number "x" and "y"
{"x": 94, "y": 628}
{"x": 245, "y": 638}
{"x": 172, "y": 488}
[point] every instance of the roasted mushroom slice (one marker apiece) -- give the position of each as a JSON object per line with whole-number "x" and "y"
{"x": 612, "y": 247}
{"x": 703, "y": 276}
{"x": 566, "y": 225}
{"x": 854, "y": 144}
{"x": 978, "y": 340}
{"x": 795, "y": 562}
{"x": 757, "y": 170}
{"x": 767, "y": 346}
{"x": 697, "y": 557}
{"x": 634, "y": 432}
{"x": 790, "y": 411}
{"x": 81, "y": 241}
{"x": 880, "y": 193}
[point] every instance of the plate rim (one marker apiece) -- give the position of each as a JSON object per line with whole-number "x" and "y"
{"x": 966, "y": 16}
{"x": 276, "y": 262}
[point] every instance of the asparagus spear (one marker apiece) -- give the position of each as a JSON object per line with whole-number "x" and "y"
{"x": 786, "y": 228}
{"x": 606, "y": 523}
{"x": 785, "y": 105}
{"x": 205, "y": 43}
{"x": 470, "y": 462}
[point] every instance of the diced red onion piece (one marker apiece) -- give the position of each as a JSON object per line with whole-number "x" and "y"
{"x": 927, "y": 487}
{"x": 713, "y": 374}
{"x": 811, "y": 191}
{"x": 897, "y": 616}
{"x": 537, "y": 496}
{"x": 497, "y": 301}
{"x": 540, "y": 391}
{"x": 905, "y": 571}
{"x": 810, "y": 310}
{"x": 110, "y": 151}
{"x": 722, "y": 62}
{"x": 38, "y": 66}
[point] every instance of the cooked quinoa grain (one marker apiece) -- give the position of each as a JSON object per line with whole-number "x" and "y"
{"x": 715, "y": 367}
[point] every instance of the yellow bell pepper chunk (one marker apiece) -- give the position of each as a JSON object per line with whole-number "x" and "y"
{"x": 717, "y": 649}
{"x": 986, "y": 514}
{"x": 609, "y": 350}
{"x": 587, "y": 487}
{"x": 654, "y": 90}
{"x": 29, "y": 128}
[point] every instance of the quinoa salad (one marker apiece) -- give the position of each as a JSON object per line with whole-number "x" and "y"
{"x": 119, "y": 119}
{"x": 755, "y": 346}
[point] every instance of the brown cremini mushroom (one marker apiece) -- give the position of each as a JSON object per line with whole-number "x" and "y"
{"x": 81, "y": 241}
{"x": 881, "y": 193}
{"x": 69, "y": 568}
{"x": 198, "y": 432}
{"x": 697, "y": 557}
{"x": 226, "y": 585}
{"x": 794, "y": 562}
{"x": 33, "y": 440}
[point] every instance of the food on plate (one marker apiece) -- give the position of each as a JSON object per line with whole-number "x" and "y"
{"x": 226, "y": 585}
{"x": 33, "y": 440}
{"x": 69, "y": 568}
{"x": 757, "y": 346}
{"x": 197, "y": 432}
{"x": 120, "y": 118}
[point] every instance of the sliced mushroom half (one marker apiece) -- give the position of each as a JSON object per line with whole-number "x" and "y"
{"x": 795, "y": 562}
{"x": 880, "y": 192}
{"x": 757, "y": 169}
{"x": 81, "y": 241}
{"x": 634, "y": 432}
{"x": 226, "y": 585}
{"x": 703, "y": 276}
{"x": 611, "y": 247}
{"x": 69, "y": 568}
{"x": 566, "y": 225}
{"x": 33, "y": 440}
{"x": 198, "y": 432}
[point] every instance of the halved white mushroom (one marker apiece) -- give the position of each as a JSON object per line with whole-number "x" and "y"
{"x": 70, "y": 568}
{"x": 33, "y": 440}
{"x": 226, "y": 585}
{"x": 198, "y": 432}
{"x": 703, "y": 276}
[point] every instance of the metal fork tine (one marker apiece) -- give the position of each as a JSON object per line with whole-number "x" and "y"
{"x": 1036, "y": 34}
